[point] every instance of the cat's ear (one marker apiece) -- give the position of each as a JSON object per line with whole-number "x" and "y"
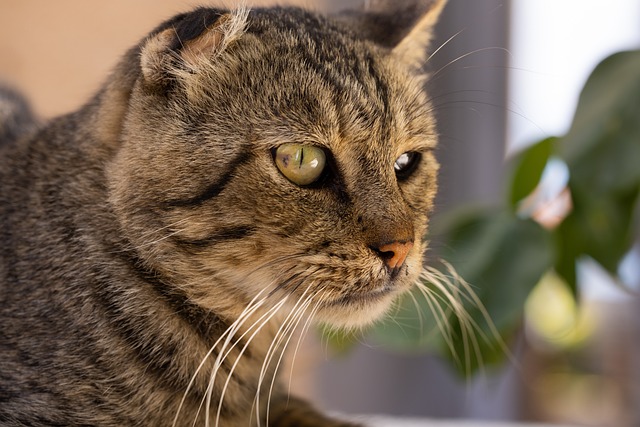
{"x": 405, "y": 26}
{"x": 184, "y": 49}
{"x": 155, "y": 59}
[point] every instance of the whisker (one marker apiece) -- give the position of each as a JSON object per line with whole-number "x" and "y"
{"x": 131, "y": 246}
{"x": 446, "y": 42}
{"x": 473, "y": 298}
{"x": 274, "y": 261}
{"x": 286, "y": 330}
{"x": 452, "y": 104}
{"x": 465, "y": 55}
{"x": 305, "y": 329}
{"x": 171, "y": 225}
{"x": 259, "y": 324}
{"x": 417, "y": 306}
{"x": 251, "y": 307}
{"x": 457, "y": 291}
{"x": 441, "y": 318}
{"x": 288, "y": 333}
{"x": 451, "y": 293}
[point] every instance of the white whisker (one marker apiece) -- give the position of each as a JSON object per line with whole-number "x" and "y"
{"x": 461, "y": 57}
{"x": 251, "y": 307}
{"x": 258, "y": 325}
{"x": 171, "y": 225}
{"x": 417, "y": 306}
{"x": 473, "y": 298}
{"x": 285, "y": 331}
{"x": 454, "y": 291}
{"x": 440, "y": 316}
{"x": 303, "y": 332}
{"x": 446, "y": 42}
{"x": 451, "y": 293}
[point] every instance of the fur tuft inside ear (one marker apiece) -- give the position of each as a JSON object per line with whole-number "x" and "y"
{"x": 405, "y": 26}
{"x": 214, "y": 40}
{"x": 188, "y": 45}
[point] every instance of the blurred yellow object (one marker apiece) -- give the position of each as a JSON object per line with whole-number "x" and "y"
{"x": 554, "y": 317}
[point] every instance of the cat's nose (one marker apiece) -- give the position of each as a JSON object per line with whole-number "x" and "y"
{"x": 394, "y": 254}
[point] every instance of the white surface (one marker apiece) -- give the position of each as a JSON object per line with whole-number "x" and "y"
{"x": 381, "y": 421}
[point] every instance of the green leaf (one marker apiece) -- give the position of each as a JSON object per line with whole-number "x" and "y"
{"x": 602, "y": 151}
{"x": 502, "y": 257}
{"x": 602, "y": 147}
{"x": 529, "y": 168}
{"x": 569, "y": 248}
{"x": 600, "y": 226}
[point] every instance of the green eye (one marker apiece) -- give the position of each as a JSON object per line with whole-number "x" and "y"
{"x": 300, "y": 164}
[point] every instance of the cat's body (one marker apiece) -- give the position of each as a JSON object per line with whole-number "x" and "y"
{"x": 149, "y": 241}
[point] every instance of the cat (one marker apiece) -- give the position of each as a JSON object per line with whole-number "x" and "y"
{"x": 240, "y": 174}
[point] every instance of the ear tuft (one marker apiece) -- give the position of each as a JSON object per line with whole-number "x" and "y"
{"x": 214, "y": 40}
{"x": 189, "y": 45}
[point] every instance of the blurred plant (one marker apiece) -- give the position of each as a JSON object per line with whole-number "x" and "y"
{"x": 503, "y": 252}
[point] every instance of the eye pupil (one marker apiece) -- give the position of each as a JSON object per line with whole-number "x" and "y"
{"x": 299, "y": 163}
{"x": 406, "y": 164}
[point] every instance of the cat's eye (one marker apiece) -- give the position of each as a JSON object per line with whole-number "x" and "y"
{"x": 299, "y": 163}
{"x": 406, "y": 164}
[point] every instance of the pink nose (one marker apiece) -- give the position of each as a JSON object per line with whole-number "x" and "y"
{"x": 394, "y": 254}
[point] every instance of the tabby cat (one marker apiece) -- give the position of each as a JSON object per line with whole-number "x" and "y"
{"x": 239, "y": 174}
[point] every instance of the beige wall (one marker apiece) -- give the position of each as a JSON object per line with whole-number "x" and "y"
{"x": 59, "y": 52}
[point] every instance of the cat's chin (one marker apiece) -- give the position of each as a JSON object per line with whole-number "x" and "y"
{"x": 358, "y": 310}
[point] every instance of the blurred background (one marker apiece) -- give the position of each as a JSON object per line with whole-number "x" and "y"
{"x": 508, "y": 73}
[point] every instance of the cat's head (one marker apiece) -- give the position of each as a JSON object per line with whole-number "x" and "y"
{"x": 276, "y": 153}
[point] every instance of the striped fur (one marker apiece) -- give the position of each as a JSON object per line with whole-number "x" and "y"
{"x": 155, "y": 263}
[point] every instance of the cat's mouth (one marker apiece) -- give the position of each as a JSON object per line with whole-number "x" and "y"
{"x": 360, "y": 303}
{"x": 388, "y": 284}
